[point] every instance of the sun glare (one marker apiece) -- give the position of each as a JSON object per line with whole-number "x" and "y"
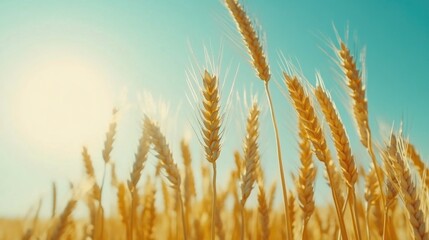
{"x": 63, "y": 103}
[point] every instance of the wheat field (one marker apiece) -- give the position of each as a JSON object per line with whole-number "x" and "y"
{"x": 389, "y": 200}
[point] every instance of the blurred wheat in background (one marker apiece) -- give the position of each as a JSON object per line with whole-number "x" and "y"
{"x": 388, "y": 200}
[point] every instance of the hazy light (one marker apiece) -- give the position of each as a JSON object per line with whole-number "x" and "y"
{"x": 63, "y": 104}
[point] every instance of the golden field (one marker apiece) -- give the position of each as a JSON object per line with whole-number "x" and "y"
{"x": 387, "y": 201}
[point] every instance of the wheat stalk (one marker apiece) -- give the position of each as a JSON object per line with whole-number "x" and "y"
{"x": 360, "y": 106}
{"x": 211, "y": 129}
{"x": 139, "y": 162}
{"x": 97, "y": 211}
{"x": 54, "y": 199}
{"x": 164, "y": 155}
{"x": 251, "y": 158}
{"x": 188, "y": 182}
{"x": 342, "y": 146}
{"x": 261, "y": 66}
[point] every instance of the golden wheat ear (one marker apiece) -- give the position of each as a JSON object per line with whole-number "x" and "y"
{"x": 124, "y": 207}
{"x": 188, "y": 182}
{"x": 211, "y": 122}
{"x": 251, "y": 153}
{"x": 357, "y": 91}
{"x": 64, "y": 219}
{"x": 339, "y": 135}
{"x": 147, "y": 223}
{"x": 250, "y": 38}
{"x": 251, "y": 158}
{"x": 110, "y": 137}
{"x": 342, "y": 145}
{"x": 211, "y": 117}
{"x": 260, "y": 64}
{"x": 418, "y": 162}
{"x": 263, "y": 213}
{"x": 307, "y": 115}
{"x": 306, "y": 179}
{"x": 165, "y": 157}
{"x": 408, "y": 190}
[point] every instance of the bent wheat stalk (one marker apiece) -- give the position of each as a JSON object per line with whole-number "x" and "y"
{"x": 360, "y": 107}
{"x": 260, "y": 64}
{"x": 139, "y": 162}
{"x": 64, "y": 219}
{"x": 342, "y": 146}
{"x": 164, "y": 155}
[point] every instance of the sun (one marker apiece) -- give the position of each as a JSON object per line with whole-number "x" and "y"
{"x": 63, "y": 104}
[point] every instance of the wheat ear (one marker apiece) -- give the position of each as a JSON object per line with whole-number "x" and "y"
{"x": 139, "y": 162}
{"x": 371, "y": 196}
{"x": 164, "y": 155}
{"x": 360, "y": 107}
{"x": 108, "y": 147}
{"x": 261, "y": 66}
{"x": 392, "y": 184}
{"x": 418, "y": 163}
{"x": 149, "y": 213}
{"x": 292, "y": 212}
{"x": 306, "y": 179}
{"x": 307, "y": 115}
{"x": 342, "y": 145}
{"x": 89, "y": 169}
{"x": 250, "y": 38}
{"x": 95, "y": 195}
{"x": 188, "y": 181}
{"x": 408, "y": 191}
{"x": 64, "y": 219}
{"x": 264, "y": 213}
{"x": 251, "y": 158}
{"x": 123, "y": 207}
{"x": 251, "y": 153}
{"x": 211, "y": 129}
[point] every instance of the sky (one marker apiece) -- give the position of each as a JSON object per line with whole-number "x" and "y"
{"x": 64, "y": 65}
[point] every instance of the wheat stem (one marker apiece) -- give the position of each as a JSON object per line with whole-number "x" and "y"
{"x": 213, "y": 201}
{"x": 280, "y": 162}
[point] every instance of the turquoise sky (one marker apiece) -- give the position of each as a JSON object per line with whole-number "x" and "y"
{"x": 147, "y": 46}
